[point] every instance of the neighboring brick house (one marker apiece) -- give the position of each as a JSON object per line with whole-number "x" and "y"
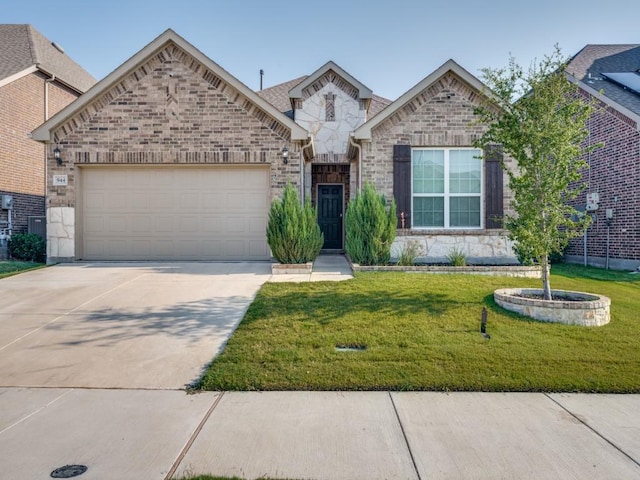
{"x": 36, "y": 81}
{"x": 171, "y": 157}
{"x": 609, "y": 75}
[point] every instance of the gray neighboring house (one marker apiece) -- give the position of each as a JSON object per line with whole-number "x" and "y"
{"x": 37, "y": 80}
{"x": 170, "y": 157}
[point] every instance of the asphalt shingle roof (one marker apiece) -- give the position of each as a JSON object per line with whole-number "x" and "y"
{"x": 592, "y": 61}
{"x": 278, "y": 96}
{"x": 22, "y": 46}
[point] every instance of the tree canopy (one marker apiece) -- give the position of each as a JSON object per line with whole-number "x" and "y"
{"x": 540, "y": 119}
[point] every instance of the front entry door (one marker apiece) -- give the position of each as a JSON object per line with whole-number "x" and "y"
{"x": 330, "y": 203}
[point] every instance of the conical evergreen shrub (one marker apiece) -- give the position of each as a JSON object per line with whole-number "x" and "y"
{"x": 370, "y": 228}
{"x": 293, "y": 232}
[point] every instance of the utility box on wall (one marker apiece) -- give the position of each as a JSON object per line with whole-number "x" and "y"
{"x": 592, "y": 201}
{"x": 38, "y": 225}
{"x": 7, "y": 202}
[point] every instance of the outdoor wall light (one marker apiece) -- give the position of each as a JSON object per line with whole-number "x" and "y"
{"x": 56, "y": 155}
{"x": 285, "y": 155}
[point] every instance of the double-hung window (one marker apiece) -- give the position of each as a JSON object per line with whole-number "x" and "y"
{"x": 447, "y": 188}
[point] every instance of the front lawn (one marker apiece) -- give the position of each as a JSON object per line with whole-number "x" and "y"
{"x": 9, "y": 267}
{"x": 421, "y": 332}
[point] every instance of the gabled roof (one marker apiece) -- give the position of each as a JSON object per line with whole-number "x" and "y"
{"x": 590, "y": 64}
{"x": 24, "y": 50}
{"x": 45, "y": 131}
{"x": 363, "y": 91}
{"x": 278, "y": 96}
{"x": 364, "y": 131}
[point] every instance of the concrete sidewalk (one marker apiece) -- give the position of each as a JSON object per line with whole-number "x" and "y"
{"x": 144, "y": 434}
{"x": 326, "y": 268}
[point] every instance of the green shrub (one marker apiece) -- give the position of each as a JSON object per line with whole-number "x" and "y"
{"x": 370, "y": 228}
{"x": 409, "y": 254}
{"x": 457, "y": 258}
{"x": 293, "y": 232}
{"x": 28, "y": 247}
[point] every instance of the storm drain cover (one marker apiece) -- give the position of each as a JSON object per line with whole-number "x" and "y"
{"x": 68, "y": 471}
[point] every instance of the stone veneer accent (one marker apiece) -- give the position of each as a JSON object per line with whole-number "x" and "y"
{"x": 61, "y": 228}
{"x": 583, "y": 309}
{"x": 486, "y": 246}
{"x": 331, "y": 137}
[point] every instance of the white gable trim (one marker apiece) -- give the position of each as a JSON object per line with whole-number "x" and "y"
{"x": 363, "y": 91}
{"x": 18, "y": 75}
{"x": 44, "y": 133}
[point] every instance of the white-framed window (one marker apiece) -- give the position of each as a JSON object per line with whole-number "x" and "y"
{"x": 446, "y": 188}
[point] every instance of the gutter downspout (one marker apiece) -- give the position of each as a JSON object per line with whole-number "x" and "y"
{"x": 46, "y": 95}
{"x": 302, "y": 164}
{"x": 359, "y": 148}
{"x": 46, "y": 146}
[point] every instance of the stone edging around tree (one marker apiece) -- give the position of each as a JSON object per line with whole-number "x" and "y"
{"x": 579, "y": 308}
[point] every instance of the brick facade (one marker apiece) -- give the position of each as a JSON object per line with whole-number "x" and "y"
{"x": 22, "y": 167}
{"x": 171, "y": 111}
{"x": 615, "y": 175}
{"x": 440, "y": 116}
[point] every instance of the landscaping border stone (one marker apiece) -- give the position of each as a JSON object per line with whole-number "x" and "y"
{"x": 493, "y": 270}
{"x": 291, "y": 269}
{"x": 579, "y": 308}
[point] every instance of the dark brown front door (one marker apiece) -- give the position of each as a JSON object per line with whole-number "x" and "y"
{"x": 330, "y": 215}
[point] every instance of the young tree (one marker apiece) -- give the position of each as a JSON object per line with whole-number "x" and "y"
{"x": 540, "y": 119}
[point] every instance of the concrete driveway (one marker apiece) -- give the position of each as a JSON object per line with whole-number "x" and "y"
{"x": 121, "y": 325}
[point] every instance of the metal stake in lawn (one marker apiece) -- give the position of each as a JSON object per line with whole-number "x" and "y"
{"x": 483, "y": 324}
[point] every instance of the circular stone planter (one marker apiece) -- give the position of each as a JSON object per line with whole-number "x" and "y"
{"x": 579, "y": 308}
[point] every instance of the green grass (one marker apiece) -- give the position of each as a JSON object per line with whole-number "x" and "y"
{"x": 8, "y": 268}
{"x": 422, "y": 333}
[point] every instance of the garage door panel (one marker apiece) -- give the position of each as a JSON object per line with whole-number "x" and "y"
{"x": 189, "y": 201}
{"x": 116, "y": 224}
{"x": 184, "y": 213}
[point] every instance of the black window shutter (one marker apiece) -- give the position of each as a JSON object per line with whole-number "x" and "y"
{"x": 493, "y": 189}
{"x": 402, "y": 182}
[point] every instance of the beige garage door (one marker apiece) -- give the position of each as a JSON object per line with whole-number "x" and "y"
{"x": 184, "y": 213}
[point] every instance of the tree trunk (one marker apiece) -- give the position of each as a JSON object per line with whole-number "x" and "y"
{"x": 546, "y": 278}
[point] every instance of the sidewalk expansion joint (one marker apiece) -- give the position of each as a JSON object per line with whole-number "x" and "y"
{"x": 193, "y": 437}
{"x": 404, "y": 434}
{"x": 593, "y": 429}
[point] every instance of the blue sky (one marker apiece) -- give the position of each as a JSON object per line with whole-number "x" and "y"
{"x": 387, "y": 45}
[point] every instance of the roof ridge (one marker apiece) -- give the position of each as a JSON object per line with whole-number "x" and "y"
{"x": 35, "y": 58}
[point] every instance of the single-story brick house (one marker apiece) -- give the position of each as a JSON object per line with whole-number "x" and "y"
{"x": 609, "y": 75}
{"x": 172, "y": 158}
{"x": 37, "y": 79}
